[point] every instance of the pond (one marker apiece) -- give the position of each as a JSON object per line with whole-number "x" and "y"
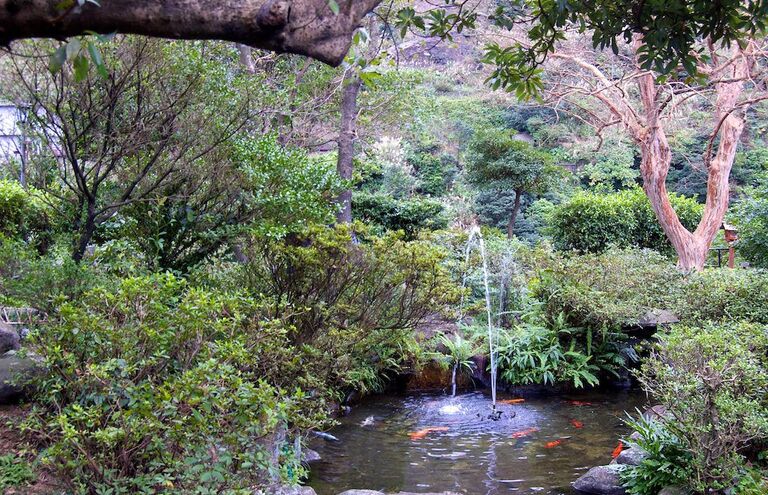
{"x": 430, "y": 443}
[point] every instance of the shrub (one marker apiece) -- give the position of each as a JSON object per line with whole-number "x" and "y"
{"x": 592, "y": 222}
{"x": 667, "y": 462}
{"x": 158, "y": 386}
{"x": 751, "y": 215}
{"x": 24, "y": 213}
{"x": 608, "y": 290}
{"x": 724, "y": 294}
{"x": 14, "y": 471}
{"x": 713, "y": 380}
{"x": 354, "y": 305}
{"x": 408, "y": 215}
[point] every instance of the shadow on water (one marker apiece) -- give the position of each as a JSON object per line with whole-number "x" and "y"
{"x": 429, "y": 443}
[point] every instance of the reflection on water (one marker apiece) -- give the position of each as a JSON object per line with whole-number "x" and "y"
{"x": 436, "y": 443}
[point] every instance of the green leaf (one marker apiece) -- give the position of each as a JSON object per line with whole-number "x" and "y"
{"x": 334, "y": 6}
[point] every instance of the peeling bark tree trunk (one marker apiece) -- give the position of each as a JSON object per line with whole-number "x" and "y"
{"x": 345, "y": 163}
{"x": 513, "y": 215}
{"x": 692, "y": 247}
{"x": 304, "y": 27}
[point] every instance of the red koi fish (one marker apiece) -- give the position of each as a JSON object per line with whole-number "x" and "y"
{"x": 524, "y": 433}
{"x": 512, "y": 401}
{"x": 580, "y": 403}
{"x": 577, "y": 424}
{"x": 418, "y": 435}
{"x": 551, "y": 445}
{"x": 617, "y": 450}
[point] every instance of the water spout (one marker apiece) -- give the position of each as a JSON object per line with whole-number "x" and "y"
{"x": 475, "y": 233}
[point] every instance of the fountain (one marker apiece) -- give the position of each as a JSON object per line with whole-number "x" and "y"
{"x": 493, "y": 334}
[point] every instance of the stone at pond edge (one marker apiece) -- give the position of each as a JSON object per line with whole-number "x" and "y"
{"x": 374, "y": 492}
{"x": 309, "y": 455}
{"x": 287, "y": 490}
{"x": 13, "y": 370}
{"x": 631, "y": 457}
{"x": 672, "y": 490}
{"x": 601, "y": 480}
{"x": 9, "y": 339}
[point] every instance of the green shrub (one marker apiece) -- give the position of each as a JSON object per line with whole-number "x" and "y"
{"x": 354, "y": 305}
{"x": 751, "y": 215}
{"x": 609, "y": 290}
{"x": 713, "y": 380}
{"x": 592, "y": 222}
{"x": 408, "y": 215}
{"x": 667, "y": 462}
{"x": 14, "y": 471}
{"x": 724, "y": 294}
{"x": 158, "y": 386}
{"x": 24, "y": 213}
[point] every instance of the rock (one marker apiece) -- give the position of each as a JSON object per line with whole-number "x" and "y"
{"x": 658, "y": 318}
{"x": 673, "y": 490}
{"x": 657, "y": 413}
{"x": 631, "y": 457}
{"x": 287, "y": 490}
{"x": 9, "y": 339}
{"x": 14, "y": 372}
{"x": 601, "y": 480}
{"x": 374, "y": 492}
{"x": 635, "y": 436}
{"x": 309, "y": 455}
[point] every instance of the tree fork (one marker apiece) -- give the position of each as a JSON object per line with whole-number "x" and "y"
{"x": 304, "y": 27}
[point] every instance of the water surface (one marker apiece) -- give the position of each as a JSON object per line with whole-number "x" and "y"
{"x": 430, "y": 443}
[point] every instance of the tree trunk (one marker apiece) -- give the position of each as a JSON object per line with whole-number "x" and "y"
{"x": 513, "y": 215}
{"x": 246, "y": 58}
{"x": 87, "y": 229}
{"x": 345, "y": 163}
{"x": 304, "y": 27}
{"x": 692, "y": 248}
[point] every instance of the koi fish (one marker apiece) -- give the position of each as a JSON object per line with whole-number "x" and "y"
{"x": 577, "y": 424}
{"x": 418, "y": 435}
{"x": 551, "y": 445}
{"x": 580, "y": 403}
{"x": 512, "y": 401}
{"x": 617, "y": 450}
{"x": 524, "y": 433}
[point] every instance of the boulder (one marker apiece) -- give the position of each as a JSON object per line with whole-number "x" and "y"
{"x": 601, "y": 480}
{"x": 673, "y": 490}
{"x": 9, "y": 339}
{"x": 309, "y": 455}
{"x": 288, "y": 490}
{"x": 14, "y": 373}
{"x": 658, "y": 318}
{"x": 631, "y": 457}
{"x": 657, "y": 413}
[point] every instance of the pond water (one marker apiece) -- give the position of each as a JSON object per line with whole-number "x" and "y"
{"x": 430, "y": 443}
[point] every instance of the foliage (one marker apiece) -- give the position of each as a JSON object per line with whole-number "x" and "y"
{"x": 156, "y": 384}
{"x": 408, "y": 215}
{"x": 751, "y": 215}
{"x": 713, "y": 380}
{"x": 456, "y": 351}
{"x": 667, "y": 462}
{"x": 724, "y": 295}
{"x": 355, "y": 305}
{"x": 14, "y": 471}
{"x": 540, "y": 352}
{"x": 261, "y": 186}
{"x": 591, "y": 222}
{"x": 609, "y": 290}
{"x": 25, "y": 213}
{"x": 496, "y": 160}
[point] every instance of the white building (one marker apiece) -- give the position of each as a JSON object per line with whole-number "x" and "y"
{"x": 12, "y": 142}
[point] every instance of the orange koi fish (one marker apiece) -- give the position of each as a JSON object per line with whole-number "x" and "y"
{"x": 512, "y": 401}
{"x": 418, "y": 435}
{"x": 617, "y": 450}
{"x": 551, "y": 445}
{"x": 577, "y": 424}
{"x": 524, "y": 433}
{"x": 580, "y": 403}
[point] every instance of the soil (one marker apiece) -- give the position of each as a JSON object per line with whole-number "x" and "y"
{"x": 46, "y": 483}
